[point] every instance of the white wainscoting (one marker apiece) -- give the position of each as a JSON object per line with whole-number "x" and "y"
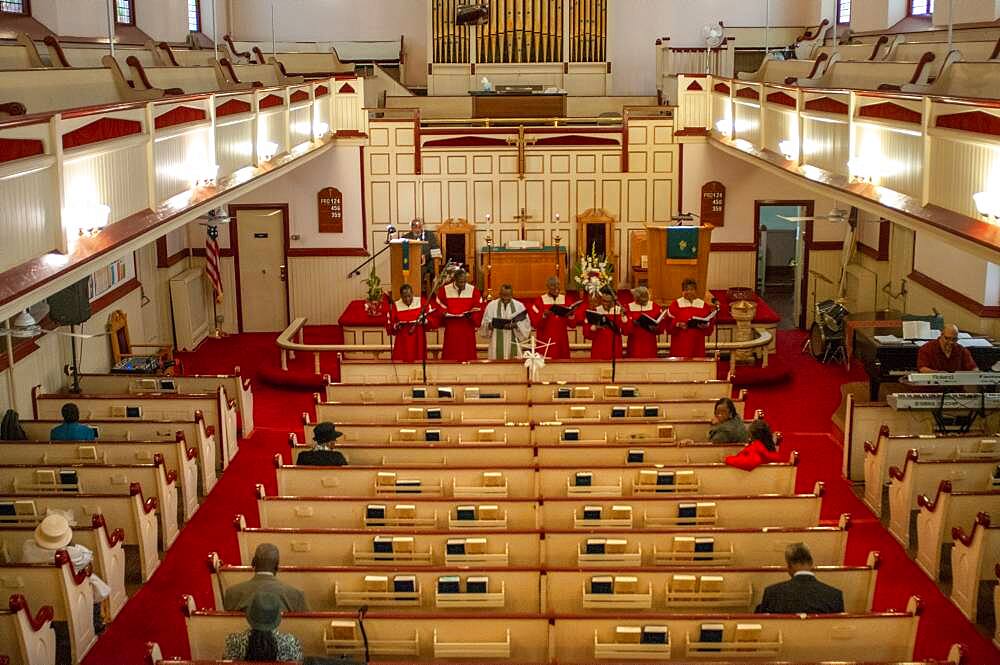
{"x": 25, "y": 217}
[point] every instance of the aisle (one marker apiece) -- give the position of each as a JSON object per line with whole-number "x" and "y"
{"x": 800, "y": 408}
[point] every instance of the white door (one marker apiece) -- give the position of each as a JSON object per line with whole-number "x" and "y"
{"x": 800, "y": 254}
{"x": 261, "y": 246}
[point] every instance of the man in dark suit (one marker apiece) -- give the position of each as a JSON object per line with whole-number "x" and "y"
{"x": 428, "y": 252}
{"x": 265, "y": 566}
{"x": 803, "y": 594}
{"x": 323, "y": 434}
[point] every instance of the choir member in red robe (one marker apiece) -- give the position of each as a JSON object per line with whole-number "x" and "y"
{"x": 551, "y": 328}
{"x": 461, "y": 313}
{"x": 409, "y": 336}
{"x": 605, "y": 340}
{"x": 642, "y": 342}
{"x": 688, "y": 340}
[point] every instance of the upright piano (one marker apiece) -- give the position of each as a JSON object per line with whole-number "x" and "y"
{"x": 890, "y": 363}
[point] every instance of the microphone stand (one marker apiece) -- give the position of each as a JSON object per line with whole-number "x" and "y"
{"x": 616, "y": 343}
{"x": 357, "y": 270}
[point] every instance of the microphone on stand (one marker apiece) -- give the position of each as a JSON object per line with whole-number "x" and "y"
{"x": 389, "y": 230}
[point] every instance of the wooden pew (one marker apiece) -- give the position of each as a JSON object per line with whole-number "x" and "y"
{"x": 560, "y": 514}
{"x": 563, "y": 454}
{"x": 568, "y": 591}
{"x": 590, "y": 371}
{"x": 217, "y": 409}
{"x": 267, "y": 74}
{"x": 535, "y": 393}
{"x": 27, "y": 639}
{"x": 918, "y": 476}
{"x": 134, "y": 514}
{"x": 974, "y": 557}
{"x": 391, "y": 435}
{"x": 408, "y": 415}
{"x": 500, "y": 637}
{"x": 938, "y": 516}
{"x": 356, "y": 547}
{"x": 332, "y": 588}
{"x": 159, "y": 483}
{"x": 777, "y": 71}
{"x": 867, "y": 75}
{"x": 180, "y": 80}
{"x": 996, "y": 605}
{"x": 634, "y": 430}
{"x": 964, "y": 79}
{"x": 49, "y": 90}
{"x": 21, "y": 54}
{"x": 313, "y": 64}
{"x": 890, "y": 450}
{"x": 783, "y": 637}
{"x": 109, "y": 557}
{"x": 235, "y": 384}
{"x": 872, "y": 52}
{"x": 201, "y": 435}
{"x": 70, "y": 595}
{"x": 177, "y": 457}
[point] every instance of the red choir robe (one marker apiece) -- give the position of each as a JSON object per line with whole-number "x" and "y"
{"x": 460, "y": 331}
{"x": 602, "y": 340}
{"x": 641, "y": 342}
{"x": 688, "y": 342}
{"x": 409, "y": 337}
{"x": 550, "y": 328}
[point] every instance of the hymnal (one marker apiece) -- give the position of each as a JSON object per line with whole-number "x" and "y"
{"x": 682, "y": 583}
{"x": 408, "y": 434}
{"x": 382, "y": 544}
{"x": 592, "y": 512}
{"x": 419, "y": 393}
{"x": 475, "y": 546}
{"x": 594, "y": 546}
{"x": 499, "y": 323}
{"x": 571, "y": 435}
{"x": 583, "y": 392}
{"x": 68, "y": 477}
{"x": 489, "y": 512}
{"x": 404, "y": 583}
{"x": 626, "y": 584}
{"x": 629, "y": 391}
{"x": 448, "y": 584}
{"x": 636, "y": 456}
{"x": 445, "y": 392}
{"x": 375, "y": 511}
{"x": 599, "y": 320}
{"x": 7, "y": 509}
{"x": 705, "y": 546}
{"x": 490, "y": 396}
{"x": 455, "y": 546}
{"x": 376, "y": 583}
{"x": 583, "y": 479}
{"x": 485, "y": 434}
{"x": 612, "y": 391}
{"x": 651, "y": 411}
{"x": 577, "y": 412}
{"x": 665, "y": 477}
{"x": 408, "y": 486}
{"x": 615, "y": 546}
{"x": 621, "y": 512}
{"x": 565, "y": 310}
{"x": 465, "y": 513}
{"x": 415, "y": 413}
{"x": 492, "y": 479}
{"x": 462, "y": 315}
{"x": 686, "y": 513}
{"x": 635, "y": 410}
{"x": 406, "y": 511}
{"x": 628, "y": 634}
{"x": 476, "y": 584}
{"x": 650, "y": 324}
{"x": 683, "y": 544}
{"x": 433, "y": 435}
{"x": 703, "y": 321}
{"x": 710, "y": 583}
{"x": 654, "y": 635}
{"x": 434, "y": 414}
{"x": 601, "y": 584}
{"x": 564, "y": 393}
{"x": 618, "y": 411}
{"x": 711, "y": 632}
{"x": 648, "y": 477}
{"x": 133, "y": 412}
{"x": 342, "y": 629}
{"x": 705, "y": 509}
{"x": 748, "y": 632}
{"x": 402, "y": 544}
{"x": 472, "y": 393}
{"x": 684, "y": 478}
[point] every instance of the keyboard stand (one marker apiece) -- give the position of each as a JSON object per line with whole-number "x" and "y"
{"x": 957, "y": 424}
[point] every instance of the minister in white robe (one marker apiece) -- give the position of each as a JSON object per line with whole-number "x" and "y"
{"x": 503, "y": 341}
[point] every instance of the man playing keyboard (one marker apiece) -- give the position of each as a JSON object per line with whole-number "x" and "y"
{"x": 945, "y": 354}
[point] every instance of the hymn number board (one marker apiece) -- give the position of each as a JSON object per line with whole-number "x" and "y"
{"x": 330, "y": 203}
{"x": 713, "y": 203}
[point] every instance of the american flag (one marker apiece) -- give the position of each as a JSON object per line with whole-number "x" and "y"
{"x": 212, "y": 261}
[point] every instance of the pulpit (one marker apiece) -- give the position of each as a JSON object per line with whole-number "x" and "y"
{"x": 457, "y": 239}
{"x": 404, "y": 264}
{"x": 675, "y": 254}
{"x": 597, "y": 232}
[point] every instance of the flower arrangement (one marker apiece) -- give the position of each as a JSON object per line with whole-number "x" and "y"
{"x": 373, "y": 300}
{"x": 592, "y": 272}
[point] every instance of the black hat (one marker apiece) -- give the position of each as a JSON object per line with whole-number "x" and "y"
{"x": 326, "y": 432}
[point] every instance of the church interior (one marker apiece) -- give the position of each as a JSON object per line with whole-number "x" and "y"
{"x": 512, "y": 271}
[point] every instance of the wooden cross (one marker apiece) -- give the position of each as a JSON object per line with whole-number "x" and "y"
{"x": 522, "y": 218}
{"x": 521, "y": 141}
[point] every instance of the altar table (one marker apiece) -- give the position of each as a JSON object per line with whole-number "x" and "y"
{"x": 524, "y": 269}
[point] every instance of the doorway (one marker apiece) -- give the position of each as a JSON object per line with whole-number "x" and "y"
{"x": 783, "y": 258}
{"x": 259, "y": 236}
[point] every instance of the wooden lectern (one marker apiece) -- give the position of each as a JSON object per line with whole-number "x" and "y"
{"x": 404, "y": 262}
{"x": 666, "y": 272}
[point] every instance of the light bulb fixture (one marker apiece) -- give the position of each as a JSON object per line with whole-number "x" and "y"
{"x": 724, "y": 127}
{"x": 789, "y": 148}
{"x": 266, "y": 150}
{"x": 743, "y": 145}
{"x": 203, "y": 174}
{"x": 863, "y": 169}
{"x": 87, "y": 220}
{"x": 322, "y": 129}
{"x": 988, "y": 205}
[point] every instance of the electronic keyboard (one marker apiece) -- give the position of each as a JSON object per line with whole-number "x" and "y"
{"x": 934, "y": 401}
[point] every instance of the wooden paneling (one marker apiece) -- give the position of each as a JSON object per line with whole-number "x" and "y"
{"x": 29, "y": 226}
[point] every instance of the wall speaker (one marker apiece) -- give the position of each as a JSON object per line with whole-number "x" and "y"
{"x": 475, "y": 14}
{"x": 71, "y": 306}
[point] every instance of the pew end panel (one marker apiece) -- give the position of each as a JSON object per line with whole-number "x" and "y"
{"x": 28, "y": 638}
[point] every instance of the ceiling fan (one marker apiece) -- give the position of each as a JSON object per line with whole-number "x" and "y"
{"x": 215, "y": 217}
{"x": 26, "y": 325}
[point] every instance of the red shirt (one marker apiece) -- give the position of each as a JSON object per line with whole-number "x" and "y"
{"x": 931, "y": 355}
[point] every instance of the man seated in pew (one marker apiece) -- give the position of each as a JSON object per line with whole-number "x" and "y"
{"x": 727, "y": 424}
{"x": 803, "y": 594}
{"x": 762, "y": 449}
{"x": 647, "y": 322}
{"x": 407, "y": 326}
{"x": 324, "y": 434}
{"x": 945, "y": 354}
{"x": 552, "y": 319}
{"x": 505, "y": 323}
{"x": 265, "y": 580}
{"x": 55, "y": 533}
{"x": 71, "y": 428}
{"x": 262, "y": 642}
{"x": 691, "y": 321}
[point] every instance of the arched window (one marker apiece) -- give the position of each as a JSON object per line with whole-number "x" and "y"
{"x": 194, "y": 16}
{"x": 843, "y": 11}
{"x": 125, "y": 12}
{"x": 19, "y": 7}
{"x": 921, "y": 7}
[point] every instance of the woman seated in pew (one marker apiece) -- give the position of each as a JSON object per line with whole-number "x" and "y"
{"x": 262, "y": 642}
{"x": 71, "y": 428}
{"x": 727, "y": 424}
{"x": 762, "y": 448}
{"x": 324, "y": 434}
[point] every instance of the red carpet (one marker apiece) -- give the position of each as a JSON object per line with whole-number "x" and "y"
{"x": 801, "y": 408}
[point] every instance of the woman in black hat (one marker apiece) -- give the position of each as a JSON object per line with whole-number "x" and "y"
{"x": 323, "y": 434}
{"x": 262, "y": 642}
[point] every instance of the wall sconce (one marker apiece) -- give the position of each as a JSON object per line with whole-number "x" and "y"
{"x": 266, "y": 150}
{"x": 87, "y": 219}
{"x": 743, "y": 145}
{"x": 789, "y": 148}
{"x": 988, "y": 205}
{"x": 322, "y": 129}
{"x": 863, "y": 169}
{"x": 724, "y": 127}
{"x": 203, "y": 175}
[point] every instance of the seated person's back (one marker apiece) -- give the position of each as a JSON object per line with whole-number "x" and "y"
{"x": 803, "y": 594}
{"x": 323, "y": 434}
{"x": 71, "y": 428}
{"x": 237, "y": 598}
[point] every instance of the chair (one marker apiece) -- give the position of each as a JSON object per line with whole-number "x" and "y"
{"x": 138, "y": 358}
{"x": 639, "y": 257}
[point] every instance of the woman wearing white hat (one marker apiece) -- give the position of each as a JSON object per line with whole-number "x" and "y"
{"x": 54, "y": 533}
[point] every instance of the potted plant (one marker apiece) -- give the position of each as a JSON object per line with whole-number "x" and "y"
{"x": 373, "y": 299}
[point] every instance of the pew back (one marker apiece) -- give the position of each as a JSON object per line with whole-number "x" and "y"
{"x": 974, "y": 557}
{"x": 47, "y": 90}
{"x": 944, "y": 512}
{"x": 28, "y": 639}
